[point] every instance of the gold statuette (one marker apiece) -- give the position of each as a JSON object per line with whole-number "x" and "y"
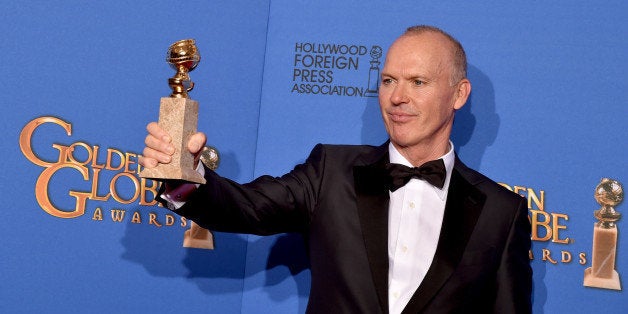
{"x": 178, "y": 115}
{"x": 602, "y": 273}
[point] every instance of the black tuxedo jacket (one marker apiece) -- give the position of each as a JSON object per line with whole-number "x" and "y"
{"x": 338, "y": 199}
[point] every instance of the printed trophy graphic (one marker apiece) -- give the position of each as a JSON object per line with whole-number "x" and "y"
{"x": 373, "y": 83}
{"x": 602, "y": 273}
{"x": 178, "y": 115}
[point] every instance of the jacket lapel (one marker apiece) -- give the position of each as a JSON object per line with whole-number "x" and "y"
{"x": 463, "y": 207}
{"x": 372, "y": 195}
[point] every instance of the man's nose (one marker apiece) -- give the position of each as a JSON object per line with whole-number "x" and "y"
{"x": 399, "y": 95}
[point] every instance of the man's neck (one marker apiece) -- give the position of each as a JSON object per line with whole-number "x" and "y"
{"x": 420, "y": 154}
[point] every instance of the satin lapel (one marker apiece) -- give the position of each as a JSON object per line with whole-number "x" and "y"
{"x": 372, "y": 201}
{"x": 464, "y": 204}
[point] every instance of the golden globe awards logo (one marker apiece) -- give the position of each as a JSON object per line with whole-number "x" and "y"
{"x": 548, "y": 226}
{"x": 93, "y": 170}
{"x": 318, "y": 68}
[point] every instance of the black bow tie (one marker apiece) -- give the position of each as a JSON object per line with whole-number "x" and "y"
{"x": 432, "y": 171}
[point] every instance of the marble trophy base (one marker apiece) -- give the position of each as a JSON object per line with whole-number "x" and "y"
{"x": 178, "y": 117}
{"x": 605, "y": 283}
{"x": 602, "y": 273}
{"x": 198, "y": 237}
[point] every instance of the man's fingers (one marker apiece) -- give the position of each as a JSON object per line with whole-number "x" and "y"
{"x": 159, "y": 145}
{"x": 159, "y": 148}
{"x": 156, "y": 131}
{"x": 196, "y": 142}
{"x": 156, "y": 155}
{"x": 158, "y": 140}
{"x": 147, "y": 162}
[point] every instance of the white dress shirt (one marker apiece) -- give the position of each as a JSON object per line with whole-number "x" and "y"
{"x": 415, "y": 216}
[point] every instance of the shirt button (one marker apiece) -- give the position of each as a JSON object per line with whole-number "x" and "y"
{"x": 411, "y": 204}
{"x": 404, "y": 249}
{"x": 395, "y": 295}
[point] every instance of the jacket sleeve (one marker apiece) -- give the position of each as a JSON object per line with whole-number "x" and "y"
{"x": 264, "y": 206}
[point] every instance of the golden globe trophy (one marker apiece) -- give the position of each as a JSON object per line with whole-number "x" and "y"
{"x": 178, "y": 115}
{"x": 602, "y": 273}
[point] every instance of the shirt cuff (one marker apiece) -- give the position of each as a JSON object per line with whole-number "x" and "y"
{"x": 177, "y": 197}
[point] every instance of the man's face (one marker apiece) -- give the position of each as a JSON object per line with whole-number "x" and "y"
{"x": 416, "y": 97}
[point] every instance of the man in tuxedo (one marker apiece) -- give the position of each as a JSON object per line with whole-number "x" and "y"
{"x": 404, "y": 227}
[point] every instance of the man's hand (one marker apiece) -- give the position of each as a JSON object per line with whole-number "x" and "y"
{"x": 159, "y": 148}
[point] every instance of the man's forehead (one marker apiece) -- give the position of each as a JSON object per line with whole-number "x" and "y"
{"x": 416, "y": 53}
{"x": 425, "y": 41}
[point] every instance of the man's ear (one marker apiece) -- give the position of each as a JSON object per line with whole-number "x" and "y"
{"x": 463, "y": 90}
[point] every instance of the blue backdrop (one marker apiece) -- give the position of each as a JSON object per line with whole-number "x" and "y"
{"x": 81, "y": 79}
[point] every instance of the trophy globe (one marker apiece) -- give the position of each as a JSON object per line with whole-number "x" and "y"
{"x": 183, "y": 56}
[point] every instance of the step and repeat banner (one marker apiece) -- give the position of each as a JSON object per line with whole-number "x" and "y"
{"x": 81, "y": 79}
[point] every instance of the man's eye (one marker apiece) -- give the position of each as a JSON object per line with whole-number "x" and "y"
{"x": 386, "y": 81}
{"x": 418, "y": 82}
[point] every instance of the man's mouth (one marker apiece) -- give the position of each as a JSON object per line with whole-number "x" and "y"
{"x": 400, "y": 117}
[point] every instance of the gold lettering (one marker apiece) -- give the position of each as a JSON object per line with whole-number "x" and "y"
{"x": 95, "y": 158}
{"x": 97, "y": 214}
{"x": 81, "y": 200}
{"x": 565, "y": 256}
{"x": 137, "y": 219}
{"x": 540, "y": 203}
{"x": 153, "y": 220}
{"x": 27, "y": 134}
{"x": 556, "y": 227}
{"x": 129, "y": 162}
{"x": 505, "y": 185}
{"x": 144, "y": 188}
{"x": 117, "y": 215}
{"x": 519, "y": 189}
{"x": 114, "y": 191}
{"x": 43, "y": 199}
{"x": 530, "y": 255}
{"x": 582, "y": 258}
{"x": 94, "y": 195}
{"x": 72, "y": 149}
{"x": 549, "y": 222}
{"x": 547, "y": 257}
{"x": 71, "y": 156}
{"x": 110, "y": 153}
{"x": 536, "y": 223}
{"x": 169, "y": 220}
{"x": 184, "y": 222}
{"x": 63, "y": 152}
{"x": 539, "y": 219}
{"x": 529, "y": 194}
